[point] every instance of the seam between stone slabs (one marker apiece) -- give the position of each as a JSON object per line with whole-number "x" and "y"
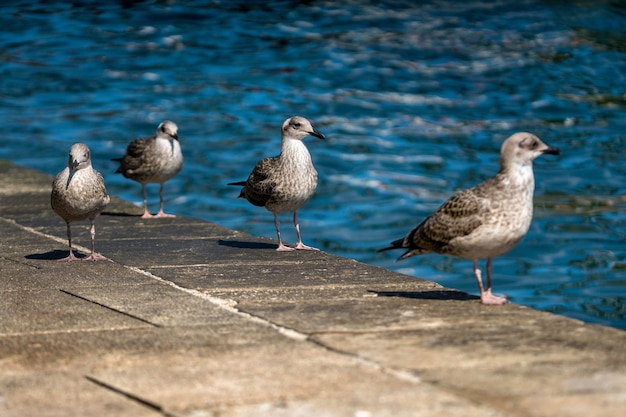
{"x": 139, "y": 400}
{"x": 229, "y": 305}
{"x": 132, "y": 316}
{"x": 71, "y": 331}
{"x": 226, "y": 265}
{"x": 225, "y": 304}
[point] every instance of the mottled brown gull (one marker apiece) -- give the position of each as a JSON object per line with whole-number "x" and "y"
{"x": 485, "y": 221}
{"x": 78, "y": 193}
{"x": 287, "y": 181}
{"x": 153, "y": 160}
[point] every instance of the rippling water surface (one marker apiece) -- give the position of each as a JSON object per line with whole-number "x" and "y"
{"x": 415, "y": 99}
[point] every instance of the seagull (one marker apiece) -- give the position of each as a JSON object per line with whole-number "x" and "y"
{"x": 153, "y": 160}
{"x": 487, "y": 220}
{"x": 287, "y": 181}
{"x": 78, "y": 193}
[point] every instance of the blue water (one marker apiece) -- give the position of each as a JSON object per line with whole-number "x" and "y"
{"x": 415, "y": 99}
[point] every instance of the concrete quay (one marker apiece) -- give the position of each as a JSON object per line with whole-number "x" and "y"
{"x": 189, "y": 318}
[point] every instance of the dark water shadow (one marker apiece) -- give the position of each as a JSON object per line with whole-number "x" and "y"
{"x": 246, "y": 245}
{"x": 428, "y": 295}
{"x": 53, "y": 255}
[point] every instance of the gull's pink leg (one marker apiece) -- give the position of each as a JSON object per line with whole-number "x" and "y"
{"x": 487, "y": 297}
{"x": 94, "y": 256}
{"x": 161, "y": 213}
{"x": 146, "y": 213}
{"x": 281, "y": 247}
{"x": 300, "y": 245}
{"x": 71, "y": 256}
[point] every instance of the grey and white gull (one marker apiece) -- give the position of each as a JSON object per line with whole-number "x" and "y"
{"x": 487, "y": 220}
{"x": 78, "y": 193}
{"x": 287, "y": 181}
{"x": 154, "y": 159}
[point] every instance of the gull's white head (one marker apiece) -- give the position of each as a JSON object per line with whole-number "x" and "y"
{"x": 521, "y": 148}
{"x": 79, "y": 157}
{"x": 167, "y": 130}
{"x": 299, "y": 128}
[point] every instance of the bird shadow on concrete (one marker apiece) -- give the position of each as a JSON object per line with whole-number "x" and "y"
{"x": 119, "y": 214}
{"x": 428, "y": 295}
{"x": 246, "y": 245}
{"x": 53, "y": 255}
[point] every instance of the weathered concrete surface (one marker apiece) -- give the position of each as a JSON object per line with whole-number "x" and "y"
{"x": 192, "y": 319}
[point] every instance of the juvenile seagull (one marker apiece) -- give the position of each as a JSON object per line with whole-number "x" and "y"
{"x": 485, "y": 221}
{"x": 78, "y": 193}
{"x": 287, "y": 181}
{"x": 153, "y": 160}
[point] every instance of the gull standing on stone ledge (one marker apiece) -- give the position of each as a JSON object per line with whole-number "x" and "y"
{"x": 485, "y": 221}
{"x": 78, "y": 193}
{"x": 287, "y": 181}
{"x": 153, "y": 160}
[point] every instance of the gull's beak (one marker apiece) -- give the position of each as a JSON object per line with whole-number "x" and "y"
{"x": 317, "y": 134}
{"x": 72, "y": 172}
{"x": 551, "y": 150}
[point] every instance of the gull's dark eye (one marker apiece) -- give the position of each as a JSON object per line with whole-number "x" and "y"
{"x": 525, "y": 144}
{"x": 297, "y": 125}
